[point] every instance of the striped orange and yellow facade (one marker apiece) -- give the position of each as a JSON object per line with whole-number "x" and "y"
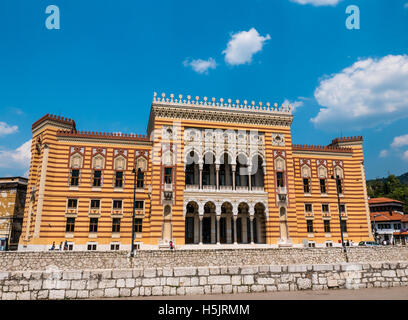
{"x": 212, "y": 204}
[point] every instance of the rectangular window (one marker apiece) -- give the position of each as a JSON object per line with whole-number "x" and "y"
{"x": 306, "y": 185}
{"x": 115, "y": 246}
{"x": 344, "y": 225}
{"x": 312, "y": 245}
{"x": 342, "y": 208}
{"x": 138, "y": 225}
{"x": 119, "y": 179}
{"x": 97, "y": 178}
{"x": 308, "y": 207}
{"x": 167, "y": 175}
{"x": 91, "y": 247}
{"x": 140, "y": 179}
{"x": 139, "y": 204}
{"x": 72, "y": 203}
{"x": 93, "y": 225}
{"x": 325, "y": 208}
{"x": 116, "y": 225}
{"x": 117, "y": 204}
{"x": 75, "y": 177}
{"x": 309, "y": 224}
{"x": 323, "y": 188}
{"x": 279, "y": 179}
{"x": 70, "y": 225}
{"x": 327, "y": 226}
{"x": 95, "y": 204}
{"x": 339, "y": 183}
{"x": 329, "y": 244}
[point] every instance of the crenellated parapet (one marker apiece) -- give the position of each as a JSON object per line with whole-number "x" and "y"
{"x": 222, "y": 104}
{"x": 103, "y": 136}
{"x": 329, "y": 148}
{"x": 58, "y": 121}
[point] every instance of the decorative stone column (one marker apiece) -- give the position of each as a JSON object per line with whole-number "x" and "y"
{"x": 233, "y": 167}
{"x": 244, "y": 230}
{"x": 229, "y": 229}
{"x": 201, "y": 174}
{"x": 251, "y": 224}
{"x": 213, "y": 230}
{"x": 217, "y": 173}
{"x": 201, "y": 229}
{"x": 249, "y": 178}
{"x": 218, "y": 228}
{"x": 235, "y": 217}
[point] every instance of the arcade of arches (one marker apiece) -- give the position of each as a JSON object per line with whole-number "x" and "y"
{"x": 209, "y": 224}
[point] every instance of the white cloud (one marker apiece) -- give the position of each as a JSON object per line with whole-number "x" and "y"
{"x": 405, "y": 156}
{"x": 18, "y": 158}
{"x": 7, "y": 129}
{"x": 400, "y": 141}
{"x": 293, "y": 104}
{"x": 318, "y": 3}
{"x": 243, "y": 45}
{"x": 201, "y": 66}
{"x": 383, "y": 154}
{"x": 406, "y": 5}
{"x": 369, "y": 93}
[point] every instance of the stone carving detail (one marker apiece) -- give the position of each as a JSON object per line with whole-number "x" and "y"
{"x": 278, "y": 140}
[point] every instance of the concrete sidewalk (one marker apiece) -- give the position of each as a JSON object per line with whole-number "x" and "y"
{"x": 395, "y": 293}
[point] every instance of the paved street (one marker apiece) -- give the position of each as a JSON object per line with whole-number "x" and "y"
{"x": 397, "y": 293}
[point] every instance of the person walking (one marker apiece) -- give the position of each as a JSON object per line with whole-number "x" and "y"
{"x": 53, "y": 246}
{"x": 66, "y": 245}
{"x": 171, "y": 245}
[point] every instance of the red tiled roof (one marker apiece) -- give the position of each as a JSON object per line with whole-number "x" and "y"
{"x": 382, "y": 200}
{"x": 385, "y": 216}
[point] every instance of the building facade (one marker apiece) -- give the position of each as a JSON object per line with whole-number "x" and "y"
{"x": 12, "y": 200}
{"x": 206, "y": 174}
{"x": 390, "y": 224}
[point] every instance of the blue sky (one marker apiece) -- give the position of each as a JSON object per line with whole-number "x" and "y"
{"x": 108, "y": 57}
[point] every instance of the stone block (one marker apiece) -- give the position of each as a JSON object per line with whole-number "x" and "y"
{"x": 157, "y": 291}
{"x": 63, "y": 284}
{"x": 35, "y": 285}
{"x": 400, "y": 273}
{"x": 43, "y": 294}
{"x": 72, "y": 275}
{"x": 130, "y": 283}
{"x": 233, "y": 270}
{"x": 332, "y": 283}
{"x": 242, "y": 289}
{"x": 275, "y": 269}
{"x": 49, "y": 284}
{"x": 214, "y": 270}
{"x": 236, "y": 280}
{"x": 9, "y": 296}
{"x": 23, "y": 295}
{"x": 263, "y": 269}
{"x": 297, "y": 268}
{"x": 122, "y": 274}
{"x": 351, "y": 267}
{"x": 322, "y": 280}
{"x": 78, "y": 284}
{"x": 283, "y": 287}
{"x": 149, "y": 273}
{"x": 72, "y": 294}
{"x": 4, "y": 275}
{"x": 203, "y": 281}
{"x": 97, "y": 293}
{"x": 92, "y": 284}
{"x": 257, "y": 288}
{"x": 182, "y": 272}
{"x": 227, "y": 288}
{"x": 266, "y": 280}
{"x": 248, "y": 279}
{"x": 166, "y": 290}
{"x": 111, "y": 293}
{"x": 271, "y": 288}
{"x": 223, "y": 270}
{"x": 103, "y": 284}
{"x": 389, "y": 273}
{"x": 167, "y": 272}
{"x": 249, "y": 270}
{"x": 203, "y": 271}
{"x": 216, "y": 289}
{"x": 135, "y": 292}
{"x": 173, "y": 282}
{"x": 57, "y": 294}
{"x": 137, "y": 272}
{"x": 82, "y": 294}
{"x": 150, "y": 282}
{"x": 322, "y": 267}
{"x": 219, "y": 280}
{"x": 194, "y": 290}
{"x": 181, "y": 291}
{"x": 304, "y": 283}
{"x": 194, "y": 281}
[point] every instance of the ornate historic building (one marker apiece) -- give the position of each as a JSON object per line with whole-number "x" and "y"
{"x": 208, "y": 173}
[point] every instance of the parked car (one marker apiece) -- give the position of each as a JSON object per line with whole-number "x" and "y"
{"x": 369, "y": 244}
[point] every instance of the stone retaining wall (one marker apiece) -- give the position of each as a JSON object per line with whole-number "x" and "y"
{"x": 69, "y": 260}
{"x": 56, "y": 284}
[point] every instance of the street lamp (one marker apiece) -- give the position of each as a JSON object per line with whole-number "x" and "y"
{"x": 338, "y": 201}
{"x": 132, "y": 246}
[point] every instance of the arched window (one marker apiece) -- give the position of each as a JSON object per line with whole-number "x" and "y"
{"x": 306, "y": 175}
{"x": 322, "y": 173}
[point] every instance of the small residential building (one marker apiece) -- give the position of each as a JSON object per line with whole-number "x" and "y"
{"x": 12, "y": 201}
{"x": 389, "y": 221}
